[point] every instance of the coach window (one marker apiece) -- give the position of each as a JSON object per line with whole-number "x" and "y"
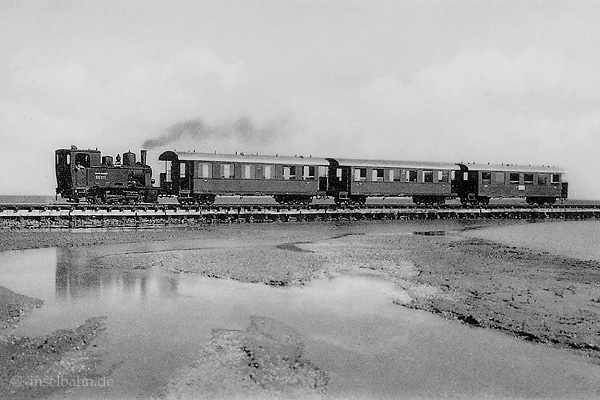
{"x": 227, "y": 171}
{"x": 555, "y": 178}
{"x": 360, "y": 174}
{"x": 377, "y": 175}
{"x": 248, "y": 171}
{"x": 428, "y": 176}
{"x": 500, "y": 177}
{"x": 411, "y": 175}
{"x": 542, "y": 179}
{"x": 513, "y": 177}
{"x": 204, "y": 171}
{"x": 338, "y": 174}
{"x": 322, "y": 170}
{"x": 443, "y": 176}
{"x": 268, "y": 172}
{"x": 528, "y": 179}
{"x": 391, "y": 175}
{"x": 398, "y": 175}
{"x": 308, "y": 172}
{"x": 289, "y": 172}
{"x": 486, "y": 178}
{"x": 182, "y": 169}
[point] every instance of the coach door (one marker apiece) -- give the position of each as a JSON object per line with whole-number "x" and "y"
{"x": 322, "y": 170}
{"x": 339, "y": 178}
{"x": 185, "y": 175}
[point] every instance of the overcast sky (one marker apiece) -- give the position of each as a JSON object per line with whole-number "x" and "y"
{"x": 485, "y": 81}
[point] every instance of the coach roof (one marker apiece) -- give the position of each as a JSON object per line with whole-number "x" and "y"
{"x": 240, "y": 158}
{"x": 347, "y": 162}
{"x": 510, "y": 168}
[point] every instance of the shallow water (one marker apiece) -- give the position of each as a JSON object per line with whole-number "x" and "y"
{"x": 578, "y": 239}
{"x": 369, "y": 347}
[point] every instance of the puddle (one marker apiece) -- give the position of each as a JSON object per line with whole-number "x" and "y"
{"x": 369, "y": 347}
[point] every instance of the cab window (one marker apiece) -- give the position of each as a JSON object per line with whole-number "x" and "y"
{"x": 82, "y": 160}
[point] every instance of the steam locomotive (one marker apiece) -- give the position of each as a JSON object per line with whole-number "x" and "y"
{"x": 198, "y": 178}
{"x": 85, "y": 174}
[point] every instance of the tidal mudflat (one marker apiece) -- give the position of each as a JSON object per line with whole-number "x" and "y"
{"x": 299, "y": 311}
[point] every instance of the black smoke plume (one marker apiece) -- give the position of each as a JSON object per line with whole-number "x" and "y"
{"x": 242, "y": 130}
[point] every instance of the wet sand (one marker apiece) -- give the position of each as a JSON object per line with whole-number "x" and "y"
{"x": 538, "y": 297}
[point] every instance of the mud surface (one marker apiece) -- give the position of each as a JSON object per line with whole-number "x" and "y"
{"x": 14, "y": 307}
{"x": 538, "y": 297}
{"x": 264, "y": 362}
{"x": 37, "y": 367}
{"x": 535, "y": 296}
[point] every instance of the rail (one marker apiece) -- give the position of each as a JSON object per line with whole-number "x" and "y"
{"x": 17, "y": 216}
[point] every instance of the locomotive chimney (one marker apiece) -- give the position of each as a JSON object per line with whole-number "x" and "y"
{"x": 143, "y": 154}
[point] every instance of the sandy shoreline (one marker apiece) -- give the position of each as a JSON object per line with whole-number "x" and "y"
{"x": 535, "y": 296}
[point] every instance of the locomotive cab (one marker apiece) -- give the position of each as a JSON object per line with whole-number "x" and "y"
{"x": 71, "y": 171}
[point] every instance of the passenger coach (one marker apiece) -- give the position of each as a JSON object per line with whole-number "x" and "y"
{"x": 200, "y": 177}
{"x": 477, "y": 183}
{"x": 353, "y": 181}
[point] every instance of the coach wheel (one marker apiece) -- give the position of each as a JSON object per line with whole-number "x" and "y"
{"x": 207, "y": 199}
{"x": 340, "y": 202}
{"x": 358, "y": 200}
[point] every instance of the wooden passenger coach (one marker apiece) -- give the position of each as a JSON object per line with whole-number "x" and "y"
{"x": 477, "y": 183}
{"x": 200, "y": 177}
{"x": 353, "y": 181}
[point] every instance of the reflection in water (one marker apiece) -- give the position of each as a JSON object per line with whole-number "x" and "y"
{"x": 78, "y": 275}
{"x": 369, "y": 347}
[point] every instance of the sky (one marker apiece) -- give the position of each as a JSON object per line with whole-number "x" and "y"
{"x": 455, "y": 81}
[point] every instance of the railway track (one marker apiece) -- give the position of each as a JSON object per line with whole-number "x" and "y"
{"x": 16, "y": 216}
